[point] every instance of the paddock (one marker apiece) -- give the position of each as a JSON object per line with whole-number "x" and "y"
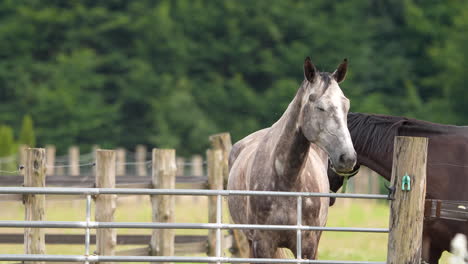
{"x": 161, "y": 195}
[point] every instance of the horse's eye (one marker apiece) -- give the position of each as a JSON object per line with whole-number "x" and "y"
{"x": 320, "y": 109}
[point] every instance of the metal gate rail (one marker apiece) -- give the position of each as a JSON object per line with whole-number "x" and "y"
{"x": 218, "y": 226}
{"x": 79, "y": 258}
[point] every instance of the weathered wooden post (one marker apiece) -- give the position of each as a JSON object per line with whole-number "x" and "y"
{"x": 196, "y": 169}
{"x": 74, "y": 160}
{"x": 106, "y": 239}
{"x": 94, "y": 150}
{"x": 22, "y": 154}
{"x": 140, "y": 159}
{"x": 223, "y": 142}
{"x": 164, "y": 171}
{"x": 215, "y": 182}
{"x": 180, "y": 166}
{"x": 59, "y": 169}
{"x": 197, "y": 165}
{"x": 120, "y": 157}
{"x": 407, "y": 208}
{"x": 180, "y": 162}
{"x": 35, "y": 173}
{"x": 50, "y": 159}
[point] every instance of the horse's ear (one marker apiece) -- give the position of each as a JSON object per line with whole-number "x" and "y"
{"x": 340, "y": 74}
{"x": 309, "y": 70}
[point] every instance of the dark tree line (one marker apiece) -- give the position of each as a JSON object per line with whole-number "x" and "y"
{"x": 169, "y": 73}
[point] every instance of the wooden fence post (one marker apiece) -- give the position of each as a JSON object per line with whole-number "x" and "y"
{"x": 140, "y": 159}
{"x": 106, "y": 239}
{"x": 407, "y": 210}
{"x": 94, "y": 150}
{"x": 164, "y": 171}
{"x": 50, "y": 159}
{"x": 120, "y": 159}
{"x": 74, "y": 160}
{"x": 197, "y": 165}
{"x": 223, "y": 142}
{"x": 22, "y": 156}
{"x": 196, "y": 169}
{"x": 215, "y": 182}
{"x": 180, "y": 162}
{"x": 60, "y": 169}
{"x": 35, "y": 173}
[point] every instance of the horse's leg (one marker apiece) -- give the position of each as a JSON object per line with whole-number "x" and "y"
{"x": 309, "y": 245}
{"x": 251, "y": 254}
{"x": 435, "y": 255}
{"x": 263, "y": 248}
{"x": 431, "y": 252}
{"x": 426, "y": 247}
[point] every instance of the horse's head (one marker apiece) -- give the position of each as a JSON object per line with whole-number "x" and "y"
{"x": 324, "y": 114}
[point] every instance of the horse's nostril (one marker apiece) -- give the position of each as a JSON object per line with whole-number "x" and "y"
{"x": 346, "y": 159}
{"x": 343, "y": 158}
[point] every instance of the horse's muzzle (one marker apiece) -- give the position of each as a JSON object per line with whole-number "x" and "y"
{"x": 344, "y": 163}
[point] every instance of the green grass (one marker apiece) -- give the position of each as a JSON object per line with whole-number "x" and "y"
{"x": 333, "y": 245}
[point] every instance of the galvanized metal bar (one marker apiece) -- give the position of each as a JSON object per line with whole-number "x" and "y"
{"x": 70, "y": 224}
{"x": 88, "y": 220}
{"x": 134, "y": 191}
{"x": 299, "y": 231}
{"x": 219, "y": 211}
{"x": 78, "y": 258}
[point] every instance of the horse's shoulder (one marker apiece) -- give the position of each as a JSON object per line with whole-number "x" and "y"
{"x": 248, "y": 141}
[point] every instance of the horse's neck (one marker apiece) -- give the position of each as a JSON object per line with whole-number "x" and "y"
{"x": 292, "y": 147}
{"x": 381, "y": 166}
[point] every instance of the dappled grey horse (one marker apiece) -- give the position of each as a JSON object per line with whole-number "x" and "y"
{"x": 292, "y": 155}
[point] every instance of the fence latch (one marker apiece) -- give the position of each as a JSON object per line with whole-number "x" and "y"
{"x": 406, "y": 182}
{"x": 391, "y": 192}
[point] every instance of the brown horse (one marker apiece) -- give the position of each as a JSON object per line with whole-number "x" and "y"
{"x": 292, "y": 155}
{"x": 447, "y": 167}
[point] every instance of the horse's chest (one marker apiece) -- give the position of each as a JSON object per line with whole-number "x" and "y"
{"x": 283, "y": 210}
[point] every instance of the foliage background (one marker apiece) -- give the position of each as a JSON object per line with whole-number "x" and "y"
{"x": 169, "y": 73}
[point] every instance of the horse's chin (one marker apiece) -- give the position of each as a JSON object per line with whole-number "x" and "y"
{"x": 348, "y": 173}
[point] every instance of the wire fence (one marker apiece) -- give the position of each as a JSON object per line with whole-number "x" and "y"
{"x": 218, "y": 226}
{"x": 130, "y": 166}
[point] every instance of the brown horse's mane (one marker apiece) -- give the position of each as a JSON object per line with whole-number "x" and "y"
{"x": 375, "y": 133}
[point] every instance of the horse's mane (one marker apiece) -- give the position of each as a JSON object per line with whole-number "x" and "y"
{"x": 376, "y": 133}
{"x": 367, "y": 132}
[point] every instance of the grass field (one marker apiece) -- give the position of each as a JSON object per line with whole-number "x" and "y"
{"x": 333, "y": 245}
